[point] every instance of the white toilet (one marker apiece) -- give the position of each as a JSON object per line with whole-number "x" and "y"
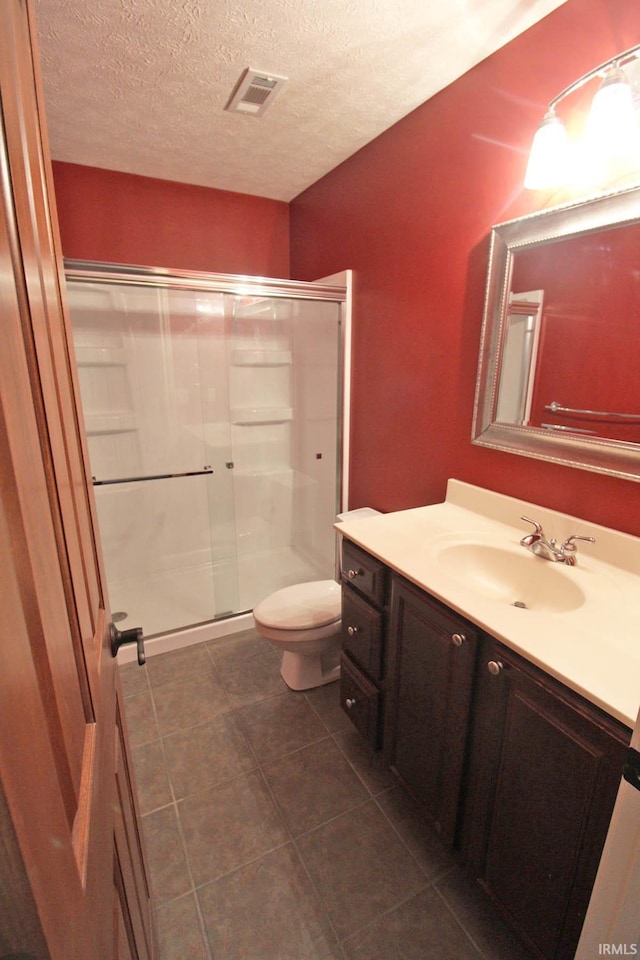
{"x": 303, "y": 622}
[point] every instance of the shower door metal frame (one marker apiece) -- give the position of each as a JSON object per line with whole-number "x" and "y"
{"x": 336, "y": 289}
{"x": 197, "y": 280}
{"x": 239, "y": 285}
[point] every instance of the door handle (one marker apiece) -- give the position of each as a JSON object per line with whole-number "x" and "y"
{"x": 133, "y": 635}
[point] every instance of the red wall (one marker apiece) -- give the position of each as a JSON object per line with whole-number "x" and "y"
{"x": 411, "y": 214}
{"x": 122, "y": 218}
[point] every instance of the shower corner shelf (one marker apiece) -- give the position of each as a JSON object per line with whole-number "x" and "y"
{"x": 253, "y": 416}
{"x": 100, "y": 423}
{"x": 261, "y": 358}
{"x": 100, "y": 356}
{"x": 282, "y": 471}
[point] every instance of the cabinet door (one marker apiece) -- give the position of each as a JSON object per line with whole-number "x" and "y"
{"x": 431, "y": 655}
{"x": 540, "y": 799}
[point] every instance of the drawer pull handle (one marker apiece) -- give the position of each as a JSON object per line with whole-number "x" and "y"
{"x": 352, "y": 574}
{"x": 349, "y": 703}
{"x": 458, "y": 639}
{"x": 352, "y": 631}
{"x": 494, "y": 667}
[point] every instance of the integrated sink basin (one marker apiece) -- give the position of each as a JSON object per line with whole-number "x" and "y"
{"x": 521, "y": 580}
{"x": 580, "y": 624}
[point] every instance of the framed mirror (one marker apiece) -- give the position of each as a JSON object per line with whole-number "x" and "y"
{"x": 559, "y": 368}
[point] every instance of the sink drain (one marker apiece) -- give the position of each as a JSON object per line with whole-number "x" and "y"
{"x": 521, "y": 604}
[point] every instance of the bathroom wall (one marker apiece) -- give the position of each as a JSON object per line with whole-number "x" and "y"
{"x": 123, "y": 218}
{"x": 411, "y": 214}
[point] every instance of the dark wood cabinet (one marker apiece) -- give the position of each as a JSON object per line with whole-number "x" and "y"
{"x": 364, "y": 615}
{"x": 430, "y": 661}
{"x": 364, "y": 573}
{"x": 360, "y": 699}
{"x": 545, "y": 767}
{"x": 362, "y": 633}
{"x": 518, "y": 772}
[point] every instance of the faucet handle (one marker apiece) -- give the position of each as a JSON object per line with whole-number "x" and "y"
{"x": 532, "y": 537}
{"x": 568, "y": 549}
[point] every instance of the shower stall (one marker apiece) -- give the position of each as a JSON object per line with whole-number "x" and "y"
{"x": 214, "y": 410}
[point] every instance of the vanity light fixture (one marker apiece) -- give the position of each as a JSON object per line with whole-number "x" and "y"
{"x": 611, "y": 132}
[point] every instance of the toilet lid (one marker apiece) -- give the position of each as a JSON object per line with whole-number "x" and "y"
{"x": 301, "y": 606}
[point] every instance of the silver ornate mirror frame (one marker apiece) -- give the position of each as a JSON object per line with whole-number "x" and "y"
{"x": 614, "y": 457}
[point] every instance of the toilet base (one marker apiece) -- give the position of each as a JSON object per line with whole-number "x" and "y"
{"x": 305, "y": 673}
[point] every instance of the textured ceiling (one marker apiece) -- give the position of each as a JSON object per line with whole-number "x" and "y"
{"x": 141, "y": 85}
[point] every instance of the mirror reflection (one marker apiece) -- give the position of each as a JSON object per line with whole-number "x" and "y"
{"x": 558, "y": 370}
{"x": 573, "y": 353}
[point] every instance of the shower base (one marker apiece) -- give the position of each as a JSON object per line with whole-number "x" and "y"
{"x": 176, "y": 608}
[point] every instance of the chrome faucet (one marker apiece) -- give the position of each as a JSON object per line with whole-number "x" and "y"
{"x": 549, "y": 549}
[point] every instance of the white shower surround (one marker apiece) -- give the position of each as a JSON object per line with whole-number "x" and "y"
{"x": 280, "y": 497}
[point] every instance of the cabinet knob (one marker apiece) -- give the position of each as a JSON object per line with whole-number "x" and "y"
{"x": 349, "y": 703}
{"x": 494, "y": 667}
{"x": 352, "y": 631}
{"x": 458, "y": 639}
{"x": 352, "y": 574}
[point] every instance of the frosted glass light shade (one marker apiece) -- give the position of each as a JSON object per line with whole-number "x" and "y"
{"x": 612, "y": 115}
{"x": 612, "y": 128}
{"x": 612, "y": 137}
{"x": 549, "y": 157}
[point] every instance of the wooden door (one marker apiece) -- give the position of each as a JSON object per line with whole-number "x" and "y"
{"x": 72, "y": 877}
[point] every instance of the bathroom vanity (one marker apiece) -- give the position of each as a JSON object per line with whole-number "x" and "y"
{"x": 501, "y": 689}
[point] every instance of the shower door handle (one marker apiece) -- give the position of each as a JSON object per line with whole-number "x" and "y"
{"x": 119, "y": 637}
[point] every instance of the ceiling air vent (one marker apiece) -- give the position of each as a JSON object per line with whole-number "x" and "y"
{"x": 255, "y": 92}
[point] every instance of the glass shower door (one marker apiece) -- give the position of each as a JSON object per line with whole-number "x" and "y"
{"x": 214, "y": 402}
{"x": 213, "y": 413}
{"x": 138, "y": 350}
{"x": 284, "y": 379}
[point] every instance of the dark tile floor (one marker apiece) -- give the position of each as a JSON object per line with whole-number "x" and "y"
{"x": 273, "y": 834}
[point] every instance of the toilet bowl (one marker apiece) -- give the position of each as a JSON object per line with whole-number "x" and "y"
{"x": 303, "y": 622}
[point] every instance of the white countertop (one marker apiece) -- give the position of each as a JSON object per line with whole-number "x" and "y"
{"x": 593, "y": 647}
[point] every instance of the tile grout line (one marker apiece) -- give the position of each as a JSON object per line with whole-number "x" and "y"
{"x": 293, "y": 841}
{"x": 458, "y": 920}
{"x": 174, "y": 804}
{"x": 259, "y": 766}
{"x": 194, "y": 891}
{"x": 385, "y": 913}
{"x": 432, "y": 879}
{"x": 437, "y": 876}
{"x": 355, "y": 769}
{"x": 231, "y": 713}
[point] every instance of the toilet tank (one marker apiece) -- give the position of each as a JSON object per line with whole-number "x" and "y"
{"x": 360, "y": 514}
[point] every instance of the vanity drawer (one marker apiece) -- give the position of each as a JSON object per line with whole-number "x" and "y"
{"x": 362, "y": 633}
{"x": 364, "y": 572}
{"x": 360, "y": 700}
